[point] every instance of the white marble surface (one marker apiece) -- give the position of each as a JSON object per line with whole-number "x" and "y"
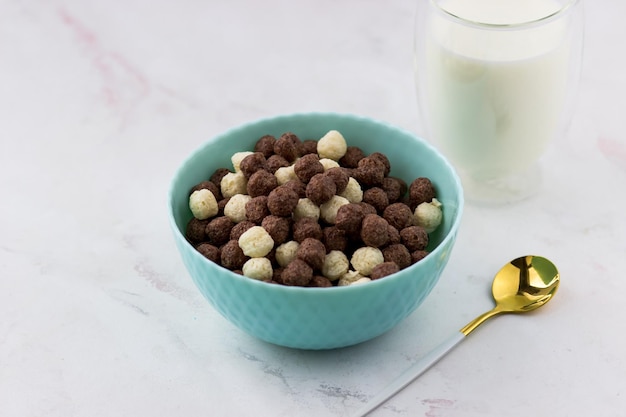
{"x": 100, "y": 101}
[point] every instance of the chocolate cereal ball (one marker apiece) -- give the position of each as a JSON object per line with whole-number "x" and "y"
{"x": 377, "y": 197}
{"x": 276, "y": 161}
{"x": 256, "y": 209}
{"x": 278, "y": 227}
{"x": 297, "y": 273}
{"x": 421, "y": 191}
{"x": 195, "y": 231}
{"x": 298, "y": 186}
{"x": 374, "y": 231}
{"x": 352, "y": 157}
{"x": 282, "y": 201}
{"x": 308, "y": 146}
{"x": 340, "y": 176}
{"x": 394, "y": 235}
{"x": 287, "y": 146}
{"x": 307, "y": 227}
{"x": 313, "y": 252}
{"x": 319, "y": 281}
{"x": 265, "y": 145}
{"x": 210, "y": 252}
{"x": 307, "y": 166}
{"x": 253, "y": 163}
{"x": 398, "y": 254}
{"x": 239, "y": 229}
{"x": 349, "y": 218}
{"x": 208, "y": 185}
{"x": 320, "y": 189}
{"x": 382, "y": 158}
{"x": 334, "y": 239}
{"x": 383, "y": 270}
{"x": 418, "y": 255}
{"x": 218, "y": 174}
{"x": 395, "y": 188}
{"x": 399, "y": 215}
{"x": 369, "y": 172}
{"x": 218, "y": 230}
{"x": 232, "y": 256}
{"x": 414, "y": 238}
{"x": 262, "y": 182}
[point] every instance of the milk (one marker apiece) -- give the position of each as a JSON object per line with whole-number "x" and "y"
{"x": 493, "y": 99}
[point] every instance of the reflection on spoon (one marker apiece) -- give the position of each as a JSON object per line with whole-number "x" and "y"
{"x": 522, "y": 285}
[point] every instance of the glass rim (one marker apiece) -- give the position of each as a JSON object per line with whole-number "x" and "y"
{"x": 569, "y": 5}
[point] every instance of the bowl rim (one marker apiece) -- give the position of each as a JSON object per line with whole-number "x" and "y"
{"x": 450, "y": 235}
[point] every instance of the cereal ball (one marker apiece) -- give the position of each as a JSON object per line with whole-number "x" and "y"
{"x": 265, "y": 145}
{"x": 370, "y": 172}
{"x": 298, "y": 186}
{"x": 334, "y": 239}
{"x": 428, "y": 215}
{"x": 209, "y": 185}
{"x": 256, "y": 242}
{"x": 210, "y": 252}
{"x": 376, "y": 197}
{"x": 328, "y": 163}
{"x": 221, "y": 204}
{"x": 308, "y": 146}
{"x": 362, "y": 280}
{"x": 394, "y": 235}
{"x": 235, "y": 209}
{"x": 261, "y": 183}
{"x": 398, "y": 254}
{"x": 414, "y": 238}
{"x": 421, "y": 191}
{"x": 232, "y": 256}
{"x": 237, "y": 158}
{"x": 332, "y": 145}
{"x": 285, "y": 174}
{"x": 374, "y": 231}
{"x": 384, "y": 269}
{"x": 239, "y": 228}
{"x": 307, "y": 227}
{"x": 233, "y": 183}
{"x": 328, "y": 210}
{"x": 340, "y": 176}
{"x": 287, "y": 146}
{"x": 353, "y": 191}
{"x": 398, "y": 215}
{"x": 352, "y": 157}
{"x": 258, "y": 268}
{"x": 418, "y": 255}
{"x": 335, "y": 265}
{"x": 218, "y": 230}
{"x": 286, "y": 252}
{"x": 307, "y": 166}
{"x": 276, "y": 161}
{"x": 349, "y": 278}
{"x": 367, "y": 208}
{"x": 282, "y": 201}
{"x": 297, "y": 273}
{"x": 313, "y": 252}
{"x": 349, "y": 218}
{"x": 277, "y": 276}
{"x": 395, "y": 188}
{"x": 256, "y": 209}
{"x": 195, "y": 230}
{"x": 320, "y": 189}
{"x": 278, "y": 227}
{"x": 382, "y": 158}
{"x": 306, "y": 208}
{"x": 365, "y": 259}
{"x": 203, "y": 204}
{"x": 319, "y": 282}
{"x": 218, "y": 174}
{"x": 253, "y": 163}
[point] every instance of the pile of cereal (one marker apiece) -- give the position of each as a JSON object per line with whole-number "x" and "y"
{"x": 311, "y": 213}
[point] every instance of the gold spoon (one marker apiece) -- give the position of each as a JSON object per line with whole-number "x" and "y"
{"x": 522, "y": 285}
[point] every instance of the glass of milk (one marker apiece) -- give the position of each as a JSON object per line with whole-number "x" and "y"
{"x": 496, "y": 82}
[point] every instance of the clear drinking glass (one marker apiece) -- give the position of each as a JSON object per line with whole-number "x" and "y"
{"x": 496, "y": 82}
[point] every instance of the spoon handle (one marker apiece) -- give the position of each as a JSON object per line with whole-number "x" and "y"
{"x": 411, "y": 373}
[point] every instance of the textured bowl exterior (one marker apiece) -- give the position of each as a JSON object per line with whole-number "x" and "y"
{"x": 320, "y": 318}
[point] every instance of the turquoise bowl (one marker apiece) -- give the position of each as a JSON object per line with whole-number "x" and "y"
{"x": 320, "y": 318}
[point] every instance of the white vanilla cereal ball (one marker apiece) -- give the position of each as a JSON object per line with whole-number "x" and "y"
{"x": 428, "y": 215}
{"x": 365, "y": 259}
{"x": 256, "y": 242}
{"x": 328, "y": 163}
{"x": 237, "y": 158}
{"x": 361, "y": 280}
{"x": 328, "y": 210}
{"x": 233, "y": 183}
{"x": 306, "y": 208}
{"x": 203, "y": 204}
{"x": 348, "y": 278}
{"x": 336, "y": 264}
{"x": 258, "y": 268}
{"x": 286, "y": 252}
{"x": 235, "y": 208}
{"x": 285, "y": 174}
{"x": 353, "y": 191}
{"x": 332, "y": 145}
